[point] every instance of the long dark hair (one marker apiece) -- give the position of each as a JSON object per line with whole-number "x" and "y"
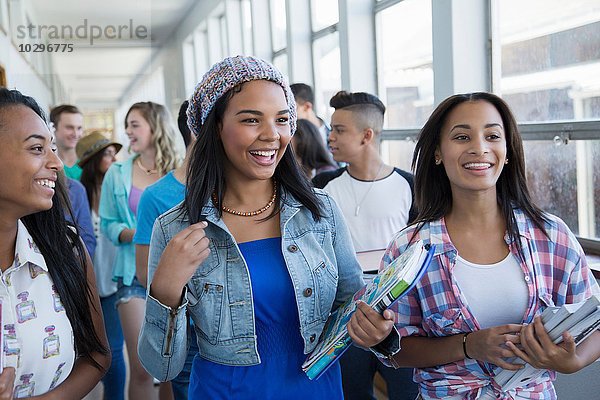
{"x": 309, "y": 147}
{"x": 433, "y": 195}
{"x": 91, "y": 177}
{"x": 63, "y": 252}
{"x": 205, "y": 174}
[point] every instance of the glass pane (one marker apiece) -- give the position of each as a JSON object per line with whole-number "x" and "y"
{"x": 281, "y": 62}
{"x": 328, "y": 75}
{"x": 550, "y": 58}
{"x": 278, "y": 24}
{"x": 563, "y": 182}
{"x": 224, "y": 41}
{"x": 405, "y": 54}
{"x": 247, "y": 26}
{"x": 398, "y": 153}
{"x": 189, "y": 66}
{"x": 324, "y": 13}
{"x": 201, "y": 54}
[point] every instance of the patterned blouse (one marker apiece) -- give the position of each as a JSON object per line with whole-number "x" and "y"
{"x": 37, "y": 335}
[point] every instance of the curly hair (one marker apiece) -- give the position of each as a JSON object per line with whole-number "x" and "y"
{"x": 163, "y": 134}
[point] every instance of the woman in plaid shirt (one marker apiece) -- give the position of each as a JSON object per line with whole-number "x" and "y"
{"x": 500, "y": 261}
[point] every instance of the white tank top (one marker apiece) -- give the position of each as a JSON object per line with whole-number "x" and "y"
{"x": 496, "y": 294}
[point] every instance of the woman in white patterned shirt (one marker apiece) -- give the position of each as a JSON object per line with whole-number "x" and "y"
{"x": 54, "y": 340}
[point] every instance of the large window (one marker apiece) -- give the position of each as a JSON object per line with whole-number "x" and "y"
{"x": 246, "y": 9}
{"x": 405, "y": 67}
{"x": 189, "y": 65}
{"x": 550, "y": 58}
{"x": 549, "y": 63}
{"x": 326, "y": 54}
{"x": 399, "y": 152}
{"x": 281, "y": 62}
{"x": 324, "y": 13}
{"x": 328, "y": 79}
{"x": 573, "y": 192}
{"x": 278, "y": 24}
{"x": 201, "y": 53}
{"x": 224, "y": 48}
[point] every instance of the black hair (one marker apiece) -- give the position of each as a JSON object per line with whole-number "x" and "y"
{"x": 433, "y": 195}
{"x": 367, "y": 110}
{"x": 303, "y": 93}
{"x": 91, "y": 177}
{"x": 309, "y": 147}
{"x": 184, "y": 129}
{"x": 343, "y": 99}
{"x": 205, "y": 174}
{"x": 63, "y": 251}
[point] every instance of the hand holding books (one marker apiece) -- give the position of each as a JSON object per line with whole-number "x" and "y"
{"x": 550, "y": 343}
{"x": 388, "y": 286}
{"x": 540, "y": 351}
{"x": 367, "y": 327}
{"x": 490, "y": 345}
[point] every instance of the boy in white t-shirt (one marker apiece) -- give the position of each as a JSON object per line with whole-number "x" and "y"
{"x": 377, "y": 201}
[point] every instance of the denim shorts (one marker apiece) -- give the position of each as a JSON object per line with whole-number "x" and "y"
{"x": 126, "y": 293}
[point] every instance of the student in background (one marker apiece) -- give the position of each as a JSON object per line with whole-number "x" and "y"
{"x": 153, "y": 139}
{"x": 255, "y": 255}
{"x": 377, "y": 201}
{"x": 81, "y": 213}
{"x": 305, "y": 106}
{"x": 158, "y": 198}
{"x": 310, "y": 152}
{"x": 500, "y": 261}
{"x": 96, "y": 154}
{"x": 54, "y": 340}
{"x": 68, "y": 126}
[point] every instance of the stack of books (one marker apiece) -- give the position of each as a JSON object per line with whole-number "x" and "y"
{"x": 579, "y": 319}
{"x": 388, "y": 286}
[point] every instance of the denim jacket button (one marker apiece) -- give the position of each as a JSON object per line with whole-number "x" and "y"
{"x": 292, "y": 248}
{"x": 312, "y": 337}
{"x": 307, "y": 292}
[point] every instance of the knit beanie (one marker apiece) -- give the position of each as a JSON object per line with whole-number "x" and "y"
{"x": 227, "y": 74}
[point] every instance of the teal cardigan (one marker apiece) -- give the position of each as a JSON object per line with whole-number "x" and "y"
{"x": 115, "y": 215}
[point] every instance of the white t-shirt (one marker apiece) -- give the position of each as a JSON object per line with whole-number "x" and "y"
{"x": 38, "y": 337}
{"x": 496, "y": 293}
{"x": 374, "y": 210}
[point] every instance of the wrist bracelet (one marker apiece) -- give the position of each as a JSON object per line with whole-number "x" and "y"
{"x": 465, "y": 344}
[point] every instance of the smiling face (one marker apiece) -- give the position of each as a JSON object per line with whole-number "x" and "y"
{"x": 109, "y": 156}
{"x": 138, "y": 131}
{"x": 255, "y": 131}
{"x": 69, "y": 130}
{"x": 472, "y": 147}
{"x": 30, "y": 163}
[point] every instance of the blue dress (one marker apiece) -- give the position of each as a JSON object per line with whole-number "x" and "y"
{"x": 279, "y": 375}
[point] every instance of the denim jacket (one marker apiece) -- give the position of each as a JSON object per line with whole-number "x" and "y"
{"x": 320, "y": 259}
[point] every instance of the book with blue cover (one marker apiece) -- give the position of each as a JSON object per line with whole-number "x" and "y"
{"x": 387, "y": 287}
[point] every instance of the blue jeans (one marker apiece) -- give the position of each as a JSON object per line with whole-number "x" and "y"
{"x": 126, "y": 293}
{"x": 181, "y": 382}
{"x": 114, "y": 380}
